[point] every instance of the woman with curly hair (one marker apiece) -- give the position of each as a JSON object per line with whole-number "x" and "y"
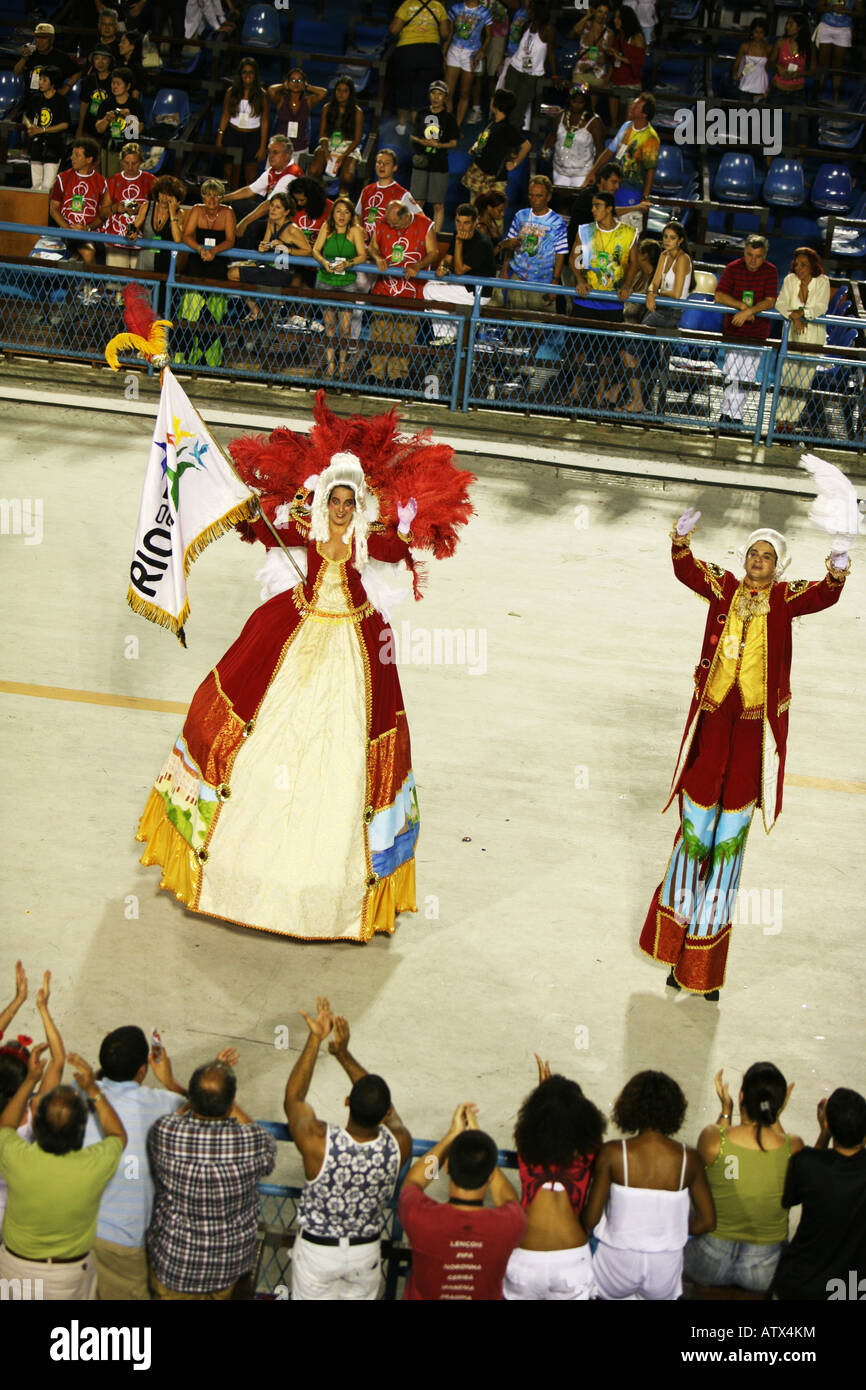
{"x": 746, "y": 1166}
{"x": 639, "y": 1202}
{"x": 245, "y": 117}
{"x": 558, "y": 1134}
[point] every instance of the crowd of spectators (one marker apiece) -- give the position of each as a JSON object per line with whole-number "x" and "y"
{"x": 114, "y": 1189}
{"x": 581, "y": 231}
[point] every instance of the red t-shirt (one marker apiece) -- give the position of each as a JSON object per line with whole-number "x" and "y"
{"x": 121, "y": 189}
{"x": 78, "y": 196}
{"x": 311, "y": 226}
{"x": 373, "y": 201}
{"x": 457, "y": 1252}
{"x": 740, "y": 282}
{"x": 402, "y": 247}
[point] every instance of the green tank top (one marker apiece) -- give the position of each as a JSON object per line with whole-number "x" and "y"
{"x": 336, "y": 247}
{"x": 747, "y": 1186}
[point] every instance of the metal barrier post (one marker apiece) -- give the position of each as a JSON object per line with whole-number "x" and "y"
{"x": 777, "y": 376}
{"x": 470, "y": 347}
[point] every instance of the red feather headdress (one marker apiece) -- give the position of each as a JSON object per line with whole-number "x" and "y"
{"x": 396, "y": 467}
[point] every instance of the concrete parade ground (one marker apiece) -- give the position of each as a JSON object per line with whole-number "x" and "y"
{"x": 546, "y": 675}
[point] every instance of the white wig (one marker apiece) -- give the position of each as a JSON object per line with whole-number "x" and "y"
{"x": 776, "y": 540}
{"x": 344, "y": 470}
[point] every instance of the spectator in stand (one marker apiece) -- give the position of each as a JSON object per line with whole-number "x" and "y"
{"x": 129, "y": 193}
{"x": 470, "y": 26}
{"x": 161, "y": 219}
{"x": 834, "y": 37}
{"x": 14, "y": 1057}
{"x": 46, "y": 118}
{"x": 646, "y": 13}
{"x": 604, "y": 257}
{"x": 500, "y": 24}
{"x": 805, "y": 296}
{"x": 576, "y": 141}
{"x": 351, "y": 1172}
{"x": 339, "y": 248}
{"x": 129, "y": 48}
{"x": 54, "y": 1185}
{"x": 119, "y": 120}
{"x": 490, "y": 208}
{"x": 748, "y": 285}
{"x": 557, "y": 1135}
{"x": 746, "y": 1166}
{"x": 471, "y": 258}
{"x": 536, "y": 249}
{"x": 312, "y": 210}
{"x": 627, "y": 54}
{"x": 41, "y": 53}
{"x": 294, "y": 100}
{"x": 340, "y": 133}
{"x": 405, "y": 243}
{"x": 500, "y": 147}
{"x": 126, "y": 1204}
{"x": 422, "y": 28}
{"x": 434, "y": 134}
{"x": 791, "y": 61}
{"x": 524, "y": 72}
{"x": 460, "y": 1248}
{"x": 608, "y": 181}
{"x": 385, "y": 189}
{"x": 636, "y": 146}
{"x": 207, "y": 17}
{"x": 280, "y": 236}
{"x": 206, "y": 1161}
{"x": 108, "y": 32}
{"x": 648, "y": 254}
{"x": 672, "y": 279}
{"x": 596, "y": 36}
{"x": 639, "y": 1203}
{"x": 95, "y": 89}
{"x": 79, "y": 198}
{"x": 750, "y": 67}
{"x": 209, "y": 229}
{"x": 277, "y": 177}
{"x": 244, "y": 120}
{"x": 830, "y": 1185}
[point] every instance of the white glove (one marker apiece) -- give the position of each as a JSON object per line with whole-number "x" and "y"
{"x": 839, "y": 559}
{"x": 688, "y": 521}
{"x": 406, "y": 514}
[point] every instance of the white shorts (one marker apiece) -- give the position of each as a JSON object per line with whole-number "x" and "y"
{"x": 460, "y": 58}
{"x": 840, "y": 35}
{"x": 637, "y": 1274}
{"x": 549, "y": 1275}
{"x": 335, "y": 1272}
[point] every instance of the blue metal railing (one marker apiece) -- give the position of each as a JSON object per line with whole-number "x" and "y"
{"x": 465, "y": 355}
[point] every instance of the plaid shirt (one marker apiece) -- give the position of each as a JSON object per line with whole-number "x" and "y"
{"x": 202, "y": 1236}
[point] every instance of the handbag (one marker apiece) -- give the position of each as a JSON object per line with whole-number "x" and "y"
{"x": 420, "y": 161}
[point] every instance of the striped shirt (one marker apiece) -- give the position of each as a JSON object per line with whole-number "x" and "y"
{"x": 127, "y": 1202}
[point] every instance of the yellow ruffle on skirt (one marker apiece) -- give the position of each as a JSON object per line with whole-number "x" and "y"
{"x": 166, "y": 846}
{"x": 393, "y": 894}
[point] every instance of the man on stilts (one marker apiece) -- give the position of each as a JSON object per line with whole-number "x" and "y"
{"x": 732, "y": 757}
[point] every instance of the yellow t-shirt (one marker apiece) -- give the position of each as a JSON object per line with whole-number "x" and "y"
{"x": 53, "y": 1199}
{"x": 421, "y": 22}
{"x": 746, "y": 667}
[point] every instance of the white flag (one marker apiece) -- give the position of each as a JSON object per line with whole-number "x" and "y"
{"x": 190, "y": 497}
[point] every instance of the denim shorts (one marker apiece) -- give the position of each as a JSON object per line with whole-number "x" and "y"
{"x": 710, "y": 1260}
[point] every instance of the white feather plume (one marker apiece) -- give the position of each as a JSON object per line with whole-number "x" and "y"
{"x": 835, "y": 508}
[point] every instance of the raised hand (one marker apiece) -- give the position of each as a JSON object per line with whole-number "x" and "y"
{"x": 406, "y": 514}
{"x": 321, "y": 1025}
{"x": 340, "y": 1040}
{"x": 229, "y": 1055}
{"x": 723, "y": 1093}
{"x": 543, "y": 1068}
{"x": 36, "y": 1063}
{"x": 20, "y": 982}
{"x": 45, "y": 992}
{"x": 688, "y": 521}
{"x": 81, "y": 1070}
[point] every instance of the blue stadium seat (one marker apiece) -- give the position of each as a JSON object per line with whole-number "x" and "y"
{"x": 837, "y": 133}
{"x": 833, "y": 189}
{"x": 785, "y": 185}
{"x": 261, "y": 27}
{"x": 685, "y": 11}
{"x": 670, "y": 174}
{"x": 170, "y": 107}
{"x": 736, "y": 180}
{"x": 850, "y": 242}
{"x": 11, "y": 90}
{"x": 315, "y": 36}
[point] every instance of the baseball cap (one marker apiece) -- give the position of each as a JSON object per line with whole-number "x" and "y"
{"x": 438, "y": 87}
{"x": 44, "y": 29}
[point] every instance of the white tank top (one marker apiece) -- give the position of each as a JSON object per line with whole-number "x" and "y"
{"x": 666, "y": 288}
{"x": 245, "y": 118}
{"x": 645, "y": 1218}
{"x": 573, "y": 158}
{"x": 530, "y": 54}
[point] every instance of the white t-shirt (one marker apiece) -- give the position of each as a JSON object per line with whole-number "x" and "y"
{"x": 260, "y": 187}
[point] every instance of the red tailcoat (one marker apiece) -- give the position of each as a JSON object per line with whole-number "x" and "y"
{"x": 787, "y": 601}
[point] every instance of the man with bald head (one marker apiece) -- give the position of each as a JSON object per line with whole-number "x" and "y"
{"x": 732, "y": 757}
{"x": 206, "y": 1162}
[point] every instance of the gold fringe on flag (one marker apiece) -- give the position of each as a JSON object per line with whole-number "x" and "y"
{"x": 156, "y": 345}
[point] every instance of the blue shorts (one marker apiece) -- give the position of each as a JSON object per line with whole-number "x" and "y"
{"x": 716, "y": 1262}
